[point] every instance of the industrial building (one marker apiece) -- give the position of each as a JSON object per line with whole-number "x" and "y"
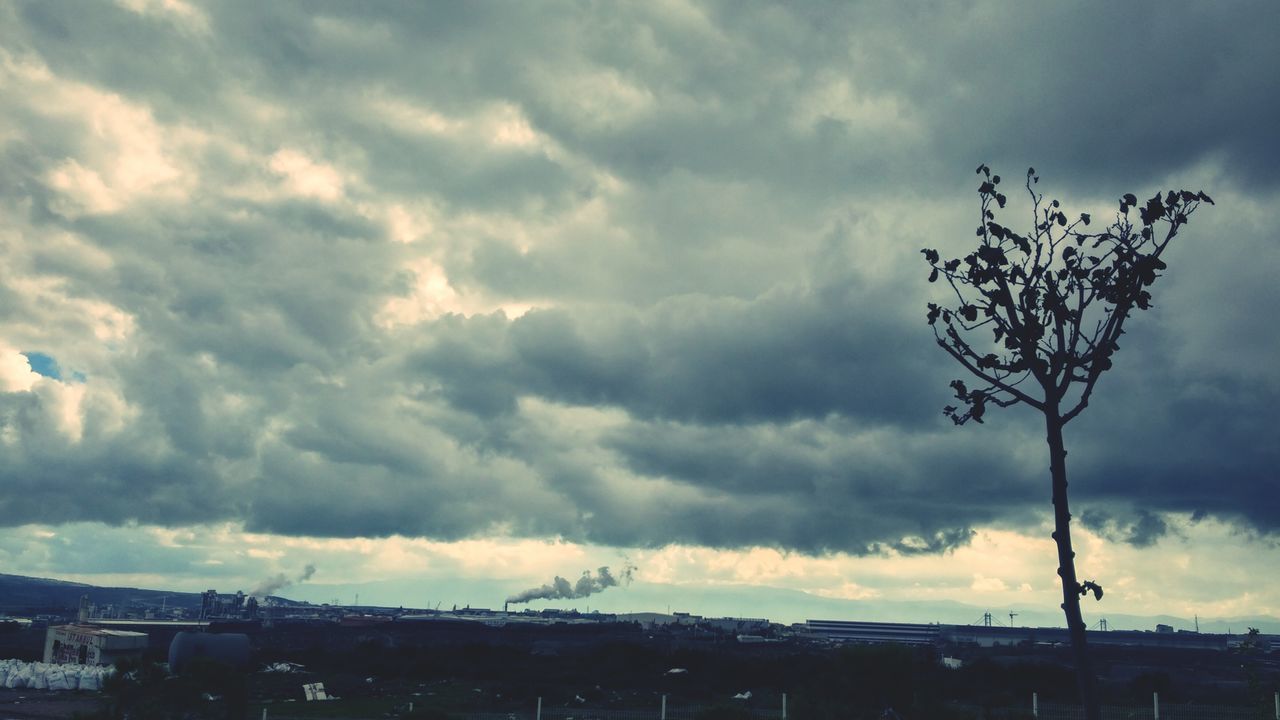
{"x": 86, "y": 645}
{"x": 842, "y": 631}
{"x": 213, "y": 605}
{"x": 846, "y": 631}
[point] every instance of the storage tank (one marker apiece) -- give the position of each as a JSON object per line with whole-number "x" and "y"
{"x": 227, "y": 648}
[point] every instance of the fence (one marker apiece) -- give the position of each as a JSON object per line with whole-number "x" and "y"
{"x": 1155, "y": 710}
{"x": 1034, "y": 710}
{"x": 661, "y": 712}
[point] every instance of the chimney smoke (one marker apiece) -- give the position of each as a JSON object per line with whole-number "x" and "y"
{"x": 588, "y": 584}
{"x": 273, "y": 585}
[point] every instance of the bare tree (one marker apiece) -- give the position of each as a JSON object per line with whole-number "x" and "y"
{"x": 1054, "y": 303}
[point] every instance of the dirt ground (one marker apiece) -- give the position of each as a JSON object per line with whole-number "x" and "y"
{"x": 46, "y": 704}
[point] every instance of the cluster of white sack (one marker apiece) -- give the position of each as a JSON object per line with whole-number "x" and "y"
{"x": 47, "y": 676}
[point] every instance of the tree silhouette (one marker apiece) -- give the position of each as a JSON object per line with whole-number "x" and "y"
{"x": 1055, "y": 303}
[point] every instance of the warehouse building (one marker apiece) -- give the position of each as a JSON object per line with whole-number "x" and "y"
{"x": 85, "y": 645}
{"x": 844, "y": 631}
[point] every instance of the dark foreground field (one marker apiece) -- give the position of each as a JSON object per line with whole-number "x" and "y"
{"x": 623, "y": 672}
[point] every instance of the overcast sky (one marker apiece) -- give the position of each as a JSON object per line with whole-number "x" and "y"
{"x": 503, "y": 291}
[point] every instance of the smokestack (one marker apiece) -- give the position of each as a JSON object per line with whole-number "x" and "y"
{"x": 561, "y": 589}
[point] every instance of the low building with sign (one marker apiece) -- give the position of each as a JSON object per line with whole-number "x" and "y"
{"x": 87, "y": 645}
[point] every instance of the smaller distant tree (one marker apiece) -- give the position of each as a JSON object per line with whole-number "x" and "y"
{"x": 1037, "y": 318}
{"x": 1250, "y": 650}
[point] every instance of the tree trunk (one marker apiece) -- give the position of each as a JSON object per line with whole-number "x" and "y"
{"x": 1067, "y": 565}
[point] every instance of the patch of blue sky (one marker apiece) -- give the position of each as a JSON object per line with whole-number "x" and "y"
{"x": 47, "y": 366}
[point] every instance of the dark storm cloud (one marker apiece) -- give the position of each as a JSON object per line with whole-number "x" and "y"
{"x": 1098, "y": 91}
{"x": 107, "y": 477}
{"x": 793, "y": 353}
{"x": 714, "y": 212}
{"x": 1149, "y": 87}
{"x": 822, "y": 486}
{"x": 1142, "y": 530}
{"x": 1193, "y": 445}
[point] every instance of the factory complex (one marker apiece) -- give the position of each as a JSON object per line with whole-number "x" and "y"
{"x": 100, "y": 636}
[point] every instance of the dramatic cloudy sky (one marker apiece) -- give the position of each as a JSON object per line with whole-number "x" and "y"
{"x": 449, "y": 292}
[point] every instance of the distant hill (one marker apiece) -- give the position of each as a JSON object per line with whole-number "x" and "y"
{"x": 21, "y": 595}
{"x": 28, "y": 595}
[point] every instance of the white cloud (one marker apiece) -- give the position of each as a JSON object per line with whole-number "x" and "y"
{"x": 16, "y": 374}
{"x": 123, "y": 155}
{"x": 305, "y": 177}
{"x": 983, "y": 584}
{"x": 431, "y": 296}
{"x": 241, "y": 559}
{"x": 407, "y": 224}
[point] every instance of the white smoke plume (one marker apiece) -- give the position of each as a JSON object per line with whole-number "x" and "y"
{"x": 273, "y": 585}
{"x": 588, "y": 584}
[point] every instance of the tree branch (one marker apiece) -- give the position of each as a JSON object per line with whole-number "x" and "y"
{"x": 995, "y": 382}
